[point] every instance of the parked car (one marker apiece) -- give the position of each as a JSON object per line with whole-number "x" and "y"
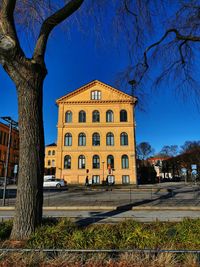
{"x": 51, "y": 182}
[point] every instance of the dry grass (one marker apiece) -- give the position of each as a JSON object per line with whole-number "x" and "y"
{"x": 97, "y": 260}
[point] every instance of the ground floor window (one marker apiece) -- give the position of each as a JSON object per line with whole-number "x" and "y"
{"x": 125, "y": 179}
{"x": 96, "y": 179}
{"x": 110, "y": 179}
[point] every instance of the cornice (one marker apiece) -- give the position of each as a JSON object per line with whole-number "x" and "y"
{"x": 92, "y": 102}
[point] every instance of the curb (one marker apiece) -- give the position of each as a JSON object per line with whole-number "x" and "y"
{"x": 110, "y": 208}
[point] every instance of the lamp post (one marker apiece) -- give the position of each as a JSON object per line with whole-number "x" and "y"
{"x": 11, "y": 124}
{"x": 103, "y": 170}
{"x": 133, "y": 84}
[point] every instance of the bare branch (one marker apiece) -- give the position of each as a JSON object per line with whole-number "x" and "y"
{"x": 50, "y": 23}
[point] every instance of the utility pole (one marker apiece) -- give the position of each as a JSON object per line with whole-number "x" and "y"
{"x": 11, "y": 124}
{"x": 133, "y": 84}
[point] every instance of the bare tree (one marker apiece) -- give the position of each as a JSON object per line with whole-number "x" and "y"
{"x": 170, "y": 47}
{"x": 28, "y": 75}
{"x": 170, "y": 151}
{"x": 144, "y": 150}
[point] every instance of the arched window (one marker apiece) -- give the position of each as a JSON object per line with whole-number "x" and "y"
{"x": 96, "y": 139}
{"x": 49, "y": 152}
{"x": 81, "y": 162}
{"x": 125, "y": 163}
{"x": 67, "y": 162}
{"x": 110, "y": 162}
{"x": 110, "y": 139}
{"x": 68, "y": 139}
{"x": 95, "y": 116}
{"x": 82, "y": 116}
{"x": 124, "y": 139}
{"x": 53, "y": 152}
{"x": 109, "y": 116}
{"x": 53, "y": 163}
{"x": 68, "y": 116}
{"x": 82, "y": 139}
{"x": 123, "y": 115}
{"x": 49, "y": 163}
{"x": 95, "y": 162}
{"x": 96, "y": 95}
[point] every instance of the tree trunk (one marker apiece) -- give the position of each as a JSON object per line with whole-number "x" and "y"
{"x": 28, "y": 210}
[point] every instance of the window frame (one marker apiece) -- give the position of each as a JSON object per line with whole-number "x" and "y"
{"x": 67, "y": 162}
{"x": 110, "y": 139}
{"x": 96, "y": 116}
{"x": 82, "y": 116}
{"x": 124, "y": 139}
{"x": 123, "y": 115}
{"x": 68, "y": 116}
{"x": 96, "y": 138}
{"x": 125, "y": 161}
{"x": 68, "y": 139}
{"x": 81, "y": 162}
{"x": 96, "y": 162}
{"x": 109, "y": 116}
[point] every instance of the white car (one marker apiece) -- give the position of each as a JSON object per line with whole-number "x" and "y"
{"x": 52, "y": 182}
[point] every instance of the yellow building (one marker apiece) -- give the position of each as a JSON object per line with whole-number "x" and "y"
{"x": 96, "y": 135}
{"x": 50, "y": 159}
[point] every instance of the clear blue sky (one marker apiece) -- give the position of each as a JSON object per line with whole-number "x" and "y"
{"x": 78, "y": 60}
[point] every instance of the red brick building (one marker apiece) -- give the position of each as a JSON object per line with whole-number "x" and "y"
{"x": 14, "y": 149}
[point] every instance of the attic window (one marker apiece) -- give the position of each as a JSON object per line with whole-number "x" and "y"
{"x": 96, "y": 95}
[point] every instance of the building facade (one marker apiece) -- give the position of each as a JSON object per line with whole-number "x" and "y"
{"x": 14, "y": 149}
{"x": 50, "y": 159}
{"x": 96, "y": 140}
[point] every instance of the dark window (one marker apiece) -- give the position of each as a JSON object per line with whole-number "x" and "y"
{"x": 81, "y": 162}
{"x": 95, "y": 162}
{"x": 49, "y": 163}
{"x": 96, "y": 139}
{"x": 82, "y": 139}
{"x": 125, "y": 163}
{"x": 68, "y": 139}
{"x": 110, "y": 162}
{"x": 109, "y": 116}
{"x": 124, "y": 139}
{"x": 53, "y": 152}
{"x": 82, "y": 116}
{"x": 123, "y": 115}
{"x": 95, "y": 116}
{"x": 68, "y": 116}
{"x": 110, "y": 139}
{"x": 67, "y": 162}
{"x": 49, "y": 152}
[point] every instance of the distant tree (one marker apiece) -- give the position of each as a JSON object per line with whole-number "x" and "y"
{"x": 144, "y": 150}
{"x": 190, "y": 146}
{"x": 170, "y": 151}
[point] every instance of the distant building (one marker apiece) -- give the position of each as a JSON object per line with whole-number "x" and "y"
{"x": 157, "y": 162}
{"x": 14, "y": 149}
{"x": 50, "y": 158}
{"x": 95, "y": 136}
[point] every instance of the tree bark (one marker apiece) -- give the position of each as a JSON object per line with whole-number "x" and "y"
{"x": 28, "y": 211}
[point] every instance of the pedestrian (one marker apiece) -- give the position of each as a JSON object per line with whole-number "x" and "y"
{"x": 86, "y": 181}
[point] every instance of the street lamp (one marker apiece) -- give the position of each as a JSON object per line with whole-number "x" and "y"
{"x": 133, "y": 84}
{"x": 11, "y": 124}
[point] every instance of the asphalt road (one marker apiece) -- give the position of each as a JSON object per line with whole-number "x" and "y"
{"x": 85, "y": 217}
{"x": 147, "y": 203}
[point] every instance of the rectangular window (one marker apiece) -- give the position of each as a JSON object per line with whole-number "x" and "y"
{"x": 96, "y": 95}
{"x": 125, "y": 179}
{"x": 96, "y": 179}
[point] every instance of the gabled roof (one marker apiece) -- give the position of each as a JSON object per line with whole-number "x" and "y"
{"x": 89, "y": 85}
